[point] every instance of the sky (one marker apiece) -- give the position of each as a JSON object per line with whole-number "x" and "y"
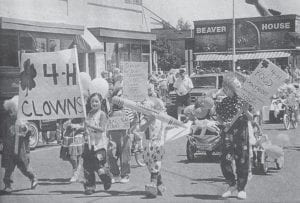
{"x": 192, "y": 10}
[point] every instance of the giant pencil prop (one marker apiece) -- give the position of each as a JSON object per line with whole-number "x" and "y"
{"x": 147, "y": 111}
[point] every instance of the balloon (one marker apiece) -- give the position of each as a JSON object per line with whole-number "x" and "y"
{"x": 85, "y": 81}
{"x": 99, "y": 85}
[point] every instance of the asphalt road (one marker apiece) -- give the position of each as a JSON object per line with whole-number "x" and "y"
{"x": 199, "y": 181}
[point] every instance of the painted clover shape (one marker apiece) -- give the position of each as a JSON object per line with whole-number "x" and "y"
{"x": 27, "y": 77}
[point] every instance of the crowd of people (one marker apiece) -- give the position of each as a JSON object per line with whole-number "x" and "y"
{"x": 88, "y": 146}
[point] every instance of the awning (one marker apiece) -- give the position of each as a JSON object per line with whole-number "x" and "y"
{"x": 34, "y": 26}
{"x": 122, "y": 34}
{"x": 87, "y": 42}
{"x": 246, "y": 56}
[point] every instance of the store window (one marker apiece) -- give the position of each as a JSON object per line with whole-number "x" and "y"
{"x": 146, "y": 54}
{"x": 8, "y": 50}
{"x": 124, "y": 52}
{"x": 92, "y": 71}
{"x": 54, "y": 45}
{"x": 136, "y": 52}
{"x": 27, "y": 44}
{"x": 111, "y": 50}
{"x": 41, "y": 44}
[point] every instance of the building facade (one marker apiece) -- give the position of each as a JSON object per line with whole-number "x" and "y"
{"x": 105, "y": 32}
{"x": 273, "y": 37}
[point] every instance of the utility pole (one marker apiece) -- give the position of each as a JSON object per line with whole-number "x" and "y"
{"x": 233, "y": 37}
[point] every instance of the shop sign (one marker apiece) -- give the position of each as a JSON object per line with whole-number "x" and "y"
{"x": 277, "y": 26}
{"x": 210, "y": 29}
{"x": 118, "y": 123}
{"x": 262, "y": 84}
{"x": 135, "y": 80}
{"x": 49, "y": 86}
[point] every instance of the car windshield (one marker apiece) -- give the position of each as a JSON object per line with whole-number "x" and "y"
{"x": 205, "y": 82}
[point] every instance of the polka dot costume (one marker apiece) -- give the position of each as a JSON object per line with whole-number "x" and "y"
{"x": 154, "y": 150}
{"x": 228, "y": 108}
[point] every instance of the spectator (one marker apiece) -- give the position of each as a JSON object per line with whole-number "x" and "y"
{"x": 183, "y": 85}
{"x": 171, "y": 79}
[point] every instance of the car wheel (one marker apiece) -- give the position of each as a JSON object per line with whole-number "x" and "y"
{"x": 34, "y": 137}
{"x": 190, "y": 154}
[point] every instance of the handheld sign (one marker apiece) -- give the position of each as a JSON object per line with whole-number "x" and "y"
{"x": 262, "y": 84}
{"x": 118, "y": 123}
{"x": 135, "y": 78}
{"x": 122, "y": 102}
{"x": 49, "y": 86}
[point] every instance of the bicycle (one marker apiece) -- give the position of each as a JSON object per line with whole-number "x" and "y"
{"x": 289, "y": 117}
{"x": 137, "y": 150}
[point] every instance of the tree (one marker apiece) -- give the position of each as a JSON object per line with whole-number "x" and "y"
{"x": 166, "y": 58}
{"x": 183, "y": 25}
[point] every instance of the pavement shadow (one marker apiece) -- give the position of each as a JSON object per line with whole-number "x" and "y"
{"x": 110, "y": 192}
{"x": 2, "y": 192}
{"x": 202, "y": 196}
{"x": 210, "y": 180}
{"x": 259, "y": 172}
{"x": 202, "y": 159}
{"x": 69, "y": 192}
{"x": 55, "y": 181}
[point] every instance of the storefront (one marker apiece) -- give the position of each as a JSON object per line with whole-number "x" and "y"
{"x": 256, "y": 38}
{"x": 29, "y": 36}
{"x": 124, "y": 45}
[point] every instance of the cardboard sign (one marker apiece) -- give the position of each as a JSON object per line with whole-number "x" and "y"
{"x": 118, "y": 123}
{"x": 262, "y": 84}
{"x": 135, "y": 80}
{"x": 49, "y": 86}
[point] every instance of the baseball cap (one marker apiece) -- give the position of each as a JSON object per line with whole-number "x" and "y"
{"x": 181, "y": 70}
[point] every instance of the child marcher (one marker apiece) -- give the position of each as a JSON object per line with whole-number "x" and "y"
{"x": 121, "y": 143}
{"x": 155, "y": 132}
{"x": 15, "y": 136}
{"x": 72, "y": 146}
{"x": 95, "y": 151}
{"x": 235, "y": 138}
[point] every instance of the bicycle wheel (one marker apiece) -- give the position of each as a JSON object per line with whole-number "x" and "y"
{"x": 34, "y": 137}
{"x": 137, "y": 151}
{"x": 294, "y": 121}
{"x": 286, "y": 121}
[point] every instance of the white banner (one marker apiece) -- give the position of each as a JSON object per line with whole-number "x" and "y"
{"x": 49, "y": 86}
{"x": 135, "y": 80}
{"x": 262, "y": 84}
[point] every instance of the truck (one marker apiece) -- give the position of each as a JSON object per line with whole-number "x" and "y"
{"x": 204, "y": 84}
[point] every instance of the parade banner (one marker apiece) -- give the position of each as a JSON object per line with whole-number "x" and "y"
{"x": 135, "y": 78}
{"x": 262, "y": 84}
{"x": 118, "y": 123}
{"x": 49, "y": 86}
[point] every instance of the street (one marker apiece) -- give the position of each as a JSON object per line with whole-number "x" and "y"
{"x": 201, "y": 180}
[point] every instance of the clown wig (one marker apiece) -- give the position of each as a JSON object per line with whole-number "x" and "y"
{"x": 11, "y": 104}
{"x": 231, "y": 82}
